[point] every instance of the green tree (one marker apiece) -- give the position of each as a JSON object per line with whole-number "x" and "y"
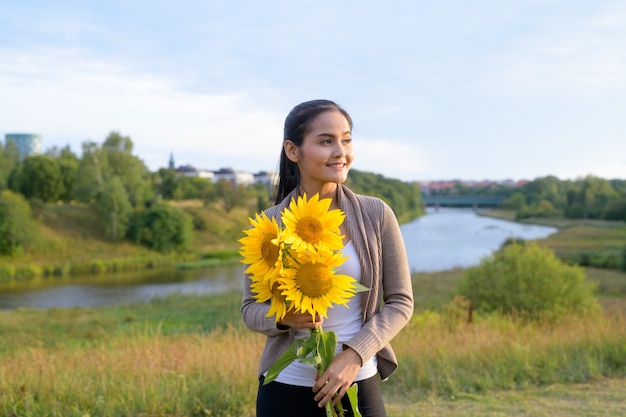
{"x": 167, "y": 183}
{"x": 232, "y": 196}
{"x": 589, "y": 197}
{"x": 90, "y": 173}
{"x": 114, "y": 208}
{"x": 121, "y": 163}
{"x": 615, "y": 209}
{"x": 548, "y": 188}
{"x": 528, "y": 280}
{"x": 404, "y": 198}
{"x": 9, "y": 160}
{"x": 17, "y": 228}
{"x": 68, "y": 162}
{"x": 163, "y": 228}
{"x": 516, "y": 202}
{"x": 41, "y": 178}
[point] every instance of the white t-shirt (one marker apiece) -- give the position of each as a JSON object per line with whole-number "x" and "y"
{"x": 345, "y": 322}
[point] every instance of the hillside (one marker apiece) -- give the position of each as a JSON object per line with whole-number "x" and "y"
{"x": 72, "y": 241}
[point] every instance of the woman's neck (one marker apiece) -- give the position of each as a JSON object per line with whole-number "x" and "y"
{"x": 328, "y": 190}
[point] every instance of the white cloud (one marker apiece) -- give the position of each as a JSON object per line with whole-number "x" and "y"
{"x": 395, "y": 159}
{"x": 66, "y": 98}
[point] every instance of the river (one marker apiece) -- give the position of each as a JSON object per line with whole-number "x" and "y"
{"x": 443, "y": 239}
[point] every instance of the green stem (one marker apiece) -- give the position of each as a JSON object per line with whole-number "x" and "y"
{"x": 330, "y": 410}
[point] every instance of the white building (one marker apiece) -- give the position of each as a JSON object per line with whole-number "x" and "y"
{"x": 234, "y": 177}
{"x": 270, "y": 179}
{"x": 27, "y": 143}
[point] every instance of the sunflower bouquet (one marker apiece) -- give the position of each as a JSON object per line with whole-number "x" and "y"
{"x": 293, "y": 267}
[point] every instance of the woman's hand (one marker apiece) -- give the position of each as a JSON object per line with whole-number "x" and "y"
{"x": 337, "y": 378}
{"x": 301, "y": 321}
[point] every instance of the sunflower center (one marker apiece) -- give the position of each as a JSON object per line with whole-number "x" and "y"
{"x": 314, "y": 279}
{"x": 269, "y": 251}
{"x": 310, "y": 229}
{"x": 277, "y": 292}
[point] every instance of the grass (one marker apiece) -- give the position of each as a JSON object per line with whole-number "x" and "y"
{"x": 601, "y": 398}
{"x": 192, "y": 356}
{"x": 72, "y": 243}
{"x": 586, "y": 242}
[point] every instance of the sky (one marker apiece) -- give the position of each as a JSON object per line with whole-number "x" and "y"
{"x": 438, "y": 90}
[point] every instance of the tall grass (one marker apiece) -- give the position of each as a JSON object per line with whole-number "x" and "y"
{"x": 444, "y": 358}
{"x": 191, "y": 356}
{"x": 144, "y": 375}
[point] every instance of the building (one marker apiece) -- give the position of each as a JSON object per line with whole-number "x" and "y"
{"x": 190, "y": 171}
{"x": 270, "y": 179}
{"x": 233, "y": 177}
{"x": 27, "y": 143}
{"x": 226, "y": 174}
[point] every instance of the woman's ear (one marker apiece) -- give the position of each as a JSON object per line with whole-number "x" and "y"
{"x": 292, "y": 151}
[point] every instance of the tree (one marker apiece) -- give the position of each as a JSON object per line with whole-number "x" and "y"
{"x": 529, "y": 280}
{"x": 17, "y": 228}
{"x": 68, "y": 163}
{"x": 548, "y": 188}
{"x": 114, "y": 208}
{"x": 589, "y": 197}
{"x": 163, "y": 228}
{"x": 117, "y": 150}
{"x": 90, "y": 173}
{"x": 167, "y": 183}
{"x": 615, "y": 210}
{"x": 41, "y": 178}
{"x": 516, "y": 202}
{"x": 232, "y": 196}
{"x": 9, "y": 160}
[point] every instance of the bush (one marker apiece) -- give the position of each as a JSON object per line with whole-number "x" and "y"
{"x": 17, "y": 228}
{"x": 528, "y": 280}
{"x": 163, "y": 228}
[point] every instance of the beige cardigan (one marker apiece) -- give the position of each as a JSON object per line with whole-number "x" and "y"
{"x": 387, "y": 307}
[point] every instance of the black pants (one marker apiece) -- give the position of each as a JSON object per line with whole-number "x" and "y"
{"x": 277, "y": 400}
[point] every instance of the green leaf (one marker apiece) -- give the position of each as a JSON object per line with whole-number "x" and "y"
{"x": 327, "y": 344}
{"x": 354, "y": 399}
{"x": 281, "y": 363}
{"x": 360, "y": 287}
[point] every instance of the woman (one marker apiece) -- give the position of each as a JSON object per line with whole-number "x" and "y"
{"x": 316, "y": 157}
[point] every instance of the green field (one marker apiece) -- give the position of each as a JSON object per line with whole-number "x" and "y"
{"x": 191, "y": 356}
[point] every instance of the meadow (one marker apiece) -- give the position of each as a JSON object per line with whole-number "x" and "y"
{"x": 192, "y": 356}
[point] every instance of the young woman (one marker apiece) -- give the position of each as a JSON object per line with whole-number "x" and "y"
{"x": 316, "y": 157}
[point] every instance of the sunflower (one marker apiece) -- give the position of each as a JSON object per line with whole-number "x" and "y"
{"x": 261, "y": 249}
{"x": 267, "y": 290}
{"x": 313, "y": 286}
{"x": 311, "y": 227}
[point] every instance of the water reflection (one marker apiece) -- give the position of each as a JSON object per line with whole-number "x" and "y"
{"x": 119, "y": 288}
{"x": 451, "y": 237}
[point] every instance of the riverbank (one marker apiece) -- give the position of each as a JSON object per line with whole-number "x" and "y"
{"x": 586, "y": 242}
{"x": 71, "y": 243}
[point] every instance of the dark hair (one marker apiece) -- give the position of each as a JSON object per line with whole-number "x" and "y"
{"x": 297, "y": 125}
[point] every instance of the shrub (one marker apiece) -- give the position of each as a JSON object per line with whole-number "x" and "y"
{"x": 17, "y": 228}
{"x": 163, "y": 228}
{"x": 528, "y": 280}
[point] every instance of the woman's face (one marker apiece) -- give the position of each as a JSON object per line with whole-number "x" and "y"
{"x": 326, "y": 155}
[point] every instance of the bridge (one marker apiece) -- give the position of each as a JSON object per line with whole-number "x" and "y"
{"x": 462, "y": 200}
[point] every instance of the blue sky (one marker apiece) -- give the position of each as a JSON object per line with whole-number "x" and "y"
{"x": 437, "y": 89}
